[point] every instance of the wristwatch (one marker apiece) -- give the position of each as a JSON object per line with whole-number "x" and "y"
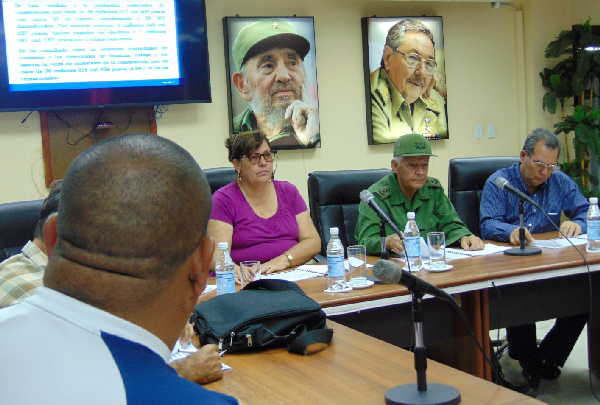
{"x": 289, "y": 257}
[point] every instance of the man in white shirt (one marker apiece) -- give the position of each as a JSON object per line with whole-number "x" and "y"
{"x": 128, "y": 258}
{"x": 22, "y": 273}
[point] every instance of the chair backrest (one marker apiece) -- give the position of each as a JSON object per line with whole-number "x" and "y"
{"x": 466, "y": 178}
{"x": 334, "y": 197}
{"x": 17, "y": 224}
{"x": 219, "y": 176}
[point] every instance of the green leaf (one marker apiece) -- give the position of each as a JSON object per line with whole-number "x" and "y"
{"x": 560, "y": 46}
{"x": 549, "y": 103}
{"x": 579, "y": 113}
{"x": 594, "y": 114}
{"x": 555, "y": 81}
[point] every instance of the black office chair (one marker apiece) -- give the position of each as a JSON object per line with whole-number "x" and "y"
{"x": 466, "y": 178}
{"x": 334, "y": 198}
{"x": 219, "y": 176}
{"x": 17, "y": 224}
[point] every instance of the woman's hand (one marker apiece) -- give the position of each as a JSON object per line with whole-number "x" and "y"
{"x": 276, "y": 264}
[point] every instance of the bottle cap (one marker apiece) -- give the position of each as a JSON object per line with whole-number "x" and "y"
{"x": 334, "y": 230}
{"x": 593, "y": 200}
{"x": 223, "y": 245}
{"x": 410, "y": 215}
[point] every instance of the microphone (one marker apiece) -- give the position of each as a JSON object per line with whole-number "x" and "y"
{"x": 368, "y": 198}
{"x": 503, "y": 184}
{"x": 391, "y": 273}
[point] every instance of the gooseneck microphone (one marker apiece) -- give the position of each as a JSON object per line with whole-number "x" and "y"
{"x": 368, "y": 198}
{"x": 391, "y": 273}
{"x": 504, "y": 184}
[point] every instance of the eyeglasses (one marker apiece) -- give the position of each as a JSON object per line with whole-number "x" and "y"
{"x": 267, "y": 156}
{"x": 413, "y": 59}
{"x": 542, "y": 165}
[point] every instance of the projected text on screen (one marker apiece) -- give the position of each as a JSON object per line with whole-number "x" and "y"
{"x": 71, "y": 44}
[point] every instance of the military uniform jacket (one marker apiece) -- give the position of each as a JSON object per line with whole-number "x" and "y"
{"x": 246, "y": 121}
{"x": 391, "y": 115}
{"x": 433, "y": 212}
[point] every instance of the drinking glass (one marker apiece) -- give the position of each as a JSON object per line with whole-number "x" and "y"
{"x": 249, "y": 271}
{"x": 357, "y": 261}
{"x": 437, "y": 250}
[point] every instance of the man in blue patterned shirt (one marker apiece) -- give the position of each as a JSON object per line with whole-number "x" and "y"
{"x": 537, "y": 176}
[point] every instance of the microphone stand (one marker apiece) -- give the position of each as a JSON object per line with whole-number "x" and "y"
{"x": 384, "y": 253}
{"x": 522, "y": 250}
{"x": 420, "y": 393}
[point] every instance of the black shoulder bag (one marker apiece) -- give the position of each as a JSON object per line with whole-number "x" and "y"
{"x": 266, "y": 313}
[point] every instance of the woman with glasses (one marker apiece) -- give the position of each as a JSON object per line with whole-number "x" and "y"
{"x": 261, "y": 218}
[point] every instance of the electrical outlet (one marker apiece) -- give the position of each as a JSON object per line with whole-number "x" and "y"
{"x": 478, "y": 131}
{"x": 491, "y": 131}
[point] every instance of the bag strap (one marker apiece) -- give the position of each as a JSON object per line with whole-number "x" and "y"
{"x": 310, "y": 342}
{"x": 273, "y": 284}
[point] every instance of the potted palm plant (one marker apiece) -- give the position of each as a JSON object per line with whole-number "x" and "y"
{"x": 574, "y": 81}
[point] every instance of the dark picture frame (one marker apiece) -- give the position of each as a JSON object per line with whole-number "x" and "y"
{"x": 272, "y": 79}
{"x": 405, "y": 78}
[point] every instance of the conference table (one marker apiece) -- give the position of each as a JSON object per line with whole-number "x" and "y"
{"x": 494, "y": 291}
{"x": 354, "y": 369}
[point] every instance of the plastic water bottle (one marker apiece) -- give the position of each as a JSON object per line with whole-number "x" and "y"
{"x": 593, "y": 226}
{"x": 225, "y": 270}
{"x": 412, "y": 242}
{"x": 335, "y": 258}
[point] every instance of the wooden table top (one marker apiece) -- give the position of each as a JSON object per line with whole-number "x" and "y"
{"x": 355, "y": 369}
{"x": 466, "y": 271}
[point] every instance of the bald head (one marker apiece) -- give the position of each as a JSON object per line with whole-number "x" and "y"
{"x": 135, "y": 205}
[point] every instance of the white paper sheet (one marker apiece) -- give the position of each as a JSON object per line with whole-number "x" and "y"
{"x": 489, "y": 249}
{"x": 182, "y": 351}
{"x": 558, "y": 243}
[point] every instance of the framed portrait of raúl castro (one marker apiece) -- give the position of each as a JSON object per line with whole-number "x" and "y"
{"x": 405, "y": 78}
{"x": 272, "y": 79}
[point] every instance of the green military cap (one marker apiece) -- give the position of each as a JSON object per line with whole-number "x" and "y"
{"x": 412, "y": 145}
{"x": 263, "y": 35}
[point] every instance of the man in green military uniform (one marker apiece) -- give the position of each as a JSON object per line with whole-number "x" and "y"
{"x": 270, "y": 76}
{"x": 403, "y": 97}
{"x": 409, "y": 189}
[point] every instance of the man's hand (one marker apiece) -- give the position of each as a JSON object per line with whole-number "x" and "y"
{"x": 393, "y": 243}
{"x": 514, "y": 237}
{"x": 305, "y": 121}
{"x": 570, "y": 228}
{"x": 471, "y": 242}
{"x": 202, "y": 367}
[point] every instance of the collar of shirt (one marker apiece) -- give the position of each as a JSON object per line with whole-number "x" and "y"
{"x": 397, "y": 197}
{"x": 35, "y": 254}
{"x": 94, "y": 320}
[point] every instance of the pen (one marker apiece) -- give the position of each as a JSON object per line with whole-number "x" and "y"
{"x": 222, "y": 352}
